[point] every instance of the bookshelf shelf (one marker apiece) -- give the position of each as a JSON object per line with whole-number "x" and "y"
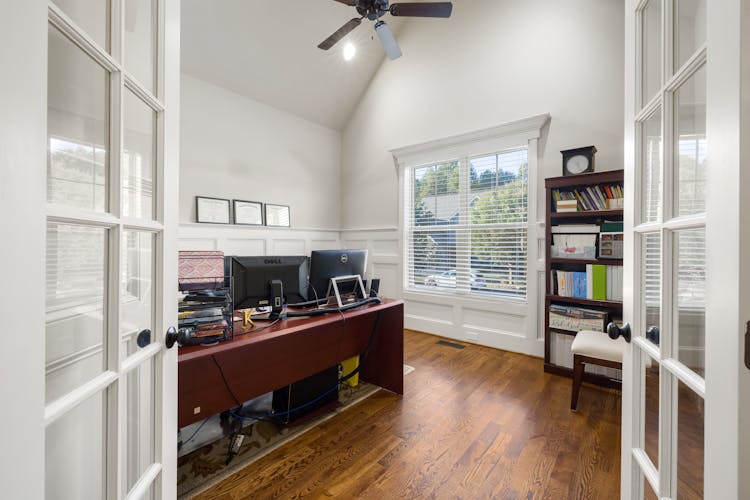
{"x": 587, "y": 214}
{"x": 607, "y": 262}
{"x": 584, "y": 302}
{"x": 598, "y": 217}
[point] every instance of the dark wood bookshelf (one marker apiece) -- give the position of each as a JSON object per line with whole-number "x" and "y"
{"x": 613, "y": 308}
{"x": 584, "y": 302}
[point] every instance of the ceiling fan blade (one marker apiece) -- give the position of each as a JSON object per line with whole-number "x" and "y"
{"x": 423, "y": 9}
{"x": 350, "y": 3}
{"x": 388, "y": 40}
{"x": 339, "y": 34}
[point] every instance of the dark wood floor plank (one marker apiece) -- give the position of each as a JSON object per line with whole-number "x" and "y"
{"x": 473, "y": 423}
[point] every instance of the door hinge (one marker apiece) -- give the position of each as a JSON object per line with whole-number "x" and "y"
{"x": 747, "y": 345}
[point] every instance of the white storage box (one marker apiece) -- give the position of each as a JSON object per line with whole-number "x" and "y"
{"x": 577, "y": 252}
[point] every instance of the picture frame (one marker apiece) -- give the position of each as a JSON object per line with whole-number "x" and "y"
{"x": 212, "y": 210}
{"x": 277, "y": 215}
{"x": 247, "y": 213}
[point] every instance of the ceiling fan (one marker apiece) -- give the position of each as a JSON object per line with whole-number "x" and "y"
{"x": 375, "y": 9}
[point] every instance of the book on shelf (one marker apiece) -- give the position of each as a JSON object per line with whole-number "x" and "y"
{"x": 566, "y": 205}
{"x": 612, "y": 226}
{"x": 614, "y": 283}
{"x": 574, "y": 319}
{"x": 598, "y": 282}
{"x": 590, "y": 198}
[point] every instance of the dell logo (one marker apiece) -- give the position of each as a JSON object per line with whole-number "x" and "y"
{"x": 272, "y": 261}
{"x": 344, "y": 258}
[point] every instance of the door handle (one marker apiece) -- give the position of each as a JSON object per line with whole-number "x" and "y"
{"x": 171, "y": 337}
{"x": 615, "y": 331}
{"x": 144, "y": 338}
{"x": 747, "y": 345}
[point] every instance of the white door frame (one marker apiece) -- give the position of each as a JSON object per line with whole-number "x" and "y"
{"x": 23, "y": 136}
{"x": 727, "y": 380}
{"x": 728, "y": 241}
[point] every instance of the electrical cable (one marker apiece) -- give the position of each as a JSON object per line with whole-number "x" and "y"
{"x": 363, "y": 358}
{"x": 315, "y": 312}
{"x": 262, "y": 327}
{"x": 226, "y": 382}
{"x": 346, "y": 377}
{"x": 318, "y": 312}
{"x": 194, "y": 433}
{"x": 309, "y": 302}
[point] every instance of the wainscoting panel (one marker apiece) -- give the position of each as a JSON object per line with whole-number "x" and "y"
{"x": 382, "y": 256}
{"x": 356, "y": 244}
{"x": 390, "y": 278}
{"x": 288, "y": 246}
{"x": 245, "y": 246}
{"x": 331, "y": 244}
{"x": 206, "y": 243}
{"x": 255, "y": 240}
{"x": 385, "y": 247}
{"x": 491, "y": 321}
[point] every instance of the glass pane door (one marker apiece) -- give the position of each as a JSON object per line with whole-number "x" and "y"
{"x": 104, "y": 359}
{"x": 669, "y": 293}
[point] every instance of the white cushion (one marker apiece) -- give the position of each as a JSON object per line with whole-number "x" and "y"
{"x": 598, "y": 345}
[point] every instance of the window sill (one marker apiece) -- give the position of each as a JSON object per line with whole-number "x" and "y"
{"x": 505, "y": 305}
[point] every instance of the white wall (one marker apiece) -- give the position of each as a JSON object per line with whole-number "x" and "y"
{"x": 237, "y": 148}
{"x": 491, "y": 63}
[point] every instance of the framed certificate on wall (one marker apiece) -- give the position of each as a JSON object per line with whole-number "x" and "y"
{"x": 248, "y": 212}
{"x": 277, "y": 215}
{"x": 211, "y": 210}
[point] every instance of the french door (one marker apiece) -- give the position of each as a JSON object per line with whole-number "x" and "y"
{"x": 105, "y": 193}
{"x": 683, "y": 376}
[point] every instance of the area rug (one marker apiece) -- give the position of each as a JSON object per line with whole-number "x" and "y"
{"x": 204, "y": 467}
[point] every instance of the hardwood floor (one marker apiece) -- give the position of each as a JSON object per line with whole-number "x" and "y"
{"x": 473, "y": 423}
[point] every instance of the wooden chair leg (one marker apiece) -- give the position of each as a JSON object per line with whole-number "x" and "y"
{"x": 578, "y": 366}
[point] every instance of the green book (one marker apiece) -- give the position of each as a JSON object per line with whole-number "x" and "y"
{"x": 599, "y": 273}
{"x": 612, "y": 227}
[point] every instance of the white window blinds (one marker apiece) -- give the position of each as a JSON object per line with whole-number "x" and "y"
{"x": 466, "y": 225}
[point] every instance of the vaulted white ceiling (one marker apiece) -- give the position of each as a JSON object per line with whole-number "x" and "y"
{"x": 267, "y": 50}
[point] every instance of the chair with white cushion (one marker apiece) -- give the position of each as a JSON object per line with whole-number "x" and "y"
{"x": 595, "y": 348}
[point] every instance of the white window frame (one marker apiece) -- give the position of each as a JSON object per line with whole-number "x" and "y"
{"x": 518, "y": 134}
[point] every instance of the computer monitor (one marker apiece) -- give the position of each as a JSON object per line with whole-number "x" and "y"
{"x": 327, "y": 264}
{"x": 251, "y": 278}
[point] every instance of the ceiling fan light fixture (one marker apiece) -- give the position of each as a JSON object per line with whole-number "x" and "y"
{"x": 387, "y": 40}
{"x": 349, "y": 51}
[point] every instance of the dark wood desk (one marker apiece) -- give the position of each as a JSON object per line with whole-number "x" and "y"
{"x": 256, "y": 363}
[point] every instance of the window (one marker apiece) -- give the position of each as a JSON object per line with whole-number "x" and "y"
{"x": 466, "y": 224}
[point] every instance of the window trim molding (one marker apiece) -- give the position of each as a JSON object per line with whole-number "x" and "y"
{"x": 506, "y": 136}
{"x": 489, "y": 140}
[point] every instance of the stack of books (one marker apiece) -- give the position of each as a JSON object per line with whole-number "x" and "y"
{"x": 598, "y": 282}
{"x": 206, "y": 314}
{"x": 575, "y": 319}
{"x": 598, "y": 197}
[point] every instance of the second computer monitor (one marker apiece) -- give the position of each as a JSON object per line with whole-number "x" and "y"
{"x": 251, "y": 279}
{"x": 327, "y": 264}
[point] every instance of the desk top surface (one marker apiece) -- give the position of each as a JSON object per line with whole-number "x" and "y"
{"x": 283, "y": 327}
